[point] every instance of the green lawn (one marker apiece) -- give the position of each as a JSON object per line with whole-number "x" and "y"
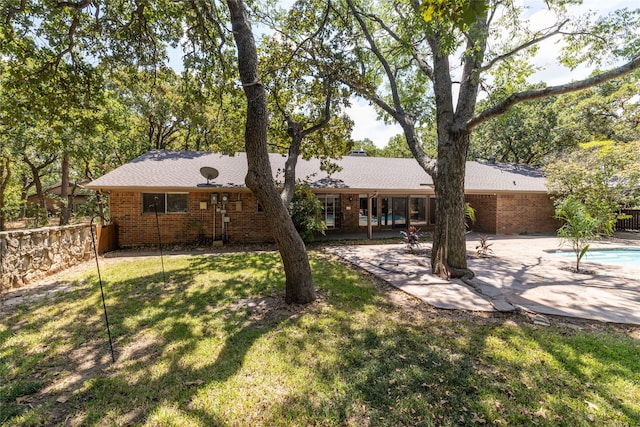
{"x": 216, "y": 345}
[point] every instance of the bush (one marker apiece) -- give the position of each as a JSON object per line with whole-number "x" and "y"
{"x": 306, "y": 213}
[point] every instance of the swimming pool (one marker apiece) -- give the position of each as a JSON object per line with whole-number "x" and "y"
{"x": 621, "y": 257}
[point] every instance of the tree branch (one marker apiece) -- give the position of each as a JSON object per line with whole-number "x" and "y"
{"x": 299, "y": 45}
{"x": 396, "y": 110}
{"x": 523, "y": 46}
{"x": 527, "y": 95}
{"x": 72, "y": 42}
{"x": 325, "y": 119}
{"x": 74, "y": 5}
{"x": 476, "y": 47}
{"x": 422, "y": 63}
{"x": 397, "y": 105}
{"x": 13, "y": 11}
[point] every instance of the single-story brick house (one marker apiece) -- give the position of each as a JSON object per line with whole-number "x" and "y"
{"x": 509, "y": 199}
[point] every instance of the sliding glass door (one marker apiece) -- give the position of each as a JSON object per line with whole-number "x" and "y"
{"x": 399, "y": 212}
{"x": 393, "y": 212}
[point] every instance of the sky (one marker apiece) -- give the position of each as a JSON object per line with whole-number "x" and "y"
{"x": 365, "y": 117}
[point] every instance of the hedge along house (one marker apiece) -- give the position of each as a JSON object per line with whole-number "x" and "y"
{"x": 367, "y": 195}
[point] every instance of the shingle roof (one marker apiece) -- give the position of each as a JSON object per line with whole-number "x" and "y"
{"x": 180, "y": 171}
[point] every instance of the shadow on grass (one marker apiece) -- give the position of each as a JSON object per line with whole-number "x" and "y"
{"x": 388, "y": 378}
{"x": 353, "y": 357}
{"x": 153, "y": 323}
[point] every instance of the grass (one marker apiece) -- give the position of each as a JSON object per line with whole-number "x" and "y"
{"x": 216, "y": 346}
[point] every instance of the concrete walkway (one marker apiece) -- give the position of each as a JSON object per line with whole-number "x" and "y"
{"x": 522, "y": 275}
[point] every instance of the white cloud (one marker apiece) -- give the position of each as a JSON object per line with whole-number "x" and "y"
{"x": 367, "y": 124}
{"x": 554, "y": 73}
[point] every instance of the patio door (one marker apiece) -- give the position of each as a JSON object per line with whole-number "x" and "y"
{"x": 399, "y": 212}
{"x": 394, "y": 212}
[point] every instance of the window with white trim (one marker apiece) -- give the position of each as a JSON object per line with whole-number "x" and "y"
{"x": 330, "y": 209}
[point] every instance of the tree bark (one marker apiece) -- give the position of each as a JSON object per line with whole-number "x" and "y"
{"x": 449, "y": 249}
{"x": 297, "y": 134}
{"x": 35, "y": 172}
{"x": 5, "y": 176}
{"x": 24, "y": 194}
{"x": 299, "y": 286}
{"x": 65, "y": 212}
{"x": 289, "y": 186}
{"x": 449, "y": 254}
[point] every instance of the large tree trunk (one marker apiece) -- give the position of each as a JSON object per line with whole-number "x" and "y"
{"x": 35, "y": 172}
{"x": 65, "y": 211}
{"x": 299, "y": 284}
{"x": 289, "y": 187}
{"x": 448, "y": 255}
{"x": 5, "y": 176}
{"x": 24, "y": 195}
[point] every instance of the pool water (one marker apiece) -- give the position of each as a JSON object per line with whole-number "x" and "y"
{"x": 621, "y": 257}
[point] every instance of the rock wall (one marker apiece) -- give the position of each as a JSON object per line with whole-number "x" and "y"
{"x": 28, "y": 255}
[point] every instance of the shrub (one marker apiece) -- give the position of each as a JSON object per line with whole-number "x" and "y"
{"x": 306, "y": 213}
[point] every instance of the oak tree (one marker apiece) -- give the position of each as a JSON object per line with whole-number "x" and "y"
{"x": 46, "y": 39}
{"x": 299, "y": 286}
{"x": 412, "y": 68}
{"x": 306, "y": 99}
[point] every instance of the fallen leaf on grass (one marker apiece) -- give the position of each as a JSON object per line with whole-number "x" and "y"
{"x": 476, "y": 419}
{"x": 62, "y": 399}
{"x": 542, "y": 413}
{"x": 591, "y": 405}
{"x": 196, "y": 382}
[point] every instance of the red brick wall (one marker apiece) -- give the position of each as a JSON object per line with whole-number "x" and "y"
{"x": 246, "y": 224}
{"x": 495, "y": 214}
{"x": 349, "y": 210}
{"x": 486, "y": 206}
{"x": 525, "y": 214}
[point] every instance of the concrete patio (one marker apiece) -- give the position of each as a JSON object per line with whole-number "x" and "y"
{"x": 521, "y": 275}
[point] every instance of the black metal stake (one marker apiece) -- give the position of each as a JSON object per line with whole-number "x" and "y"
{"x": 155, "y": 207}
{"x": 104, "y": 304}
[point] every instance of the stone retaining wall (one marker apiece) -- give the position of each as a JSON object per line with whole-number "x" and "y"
{"x": 28, "y": 255}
